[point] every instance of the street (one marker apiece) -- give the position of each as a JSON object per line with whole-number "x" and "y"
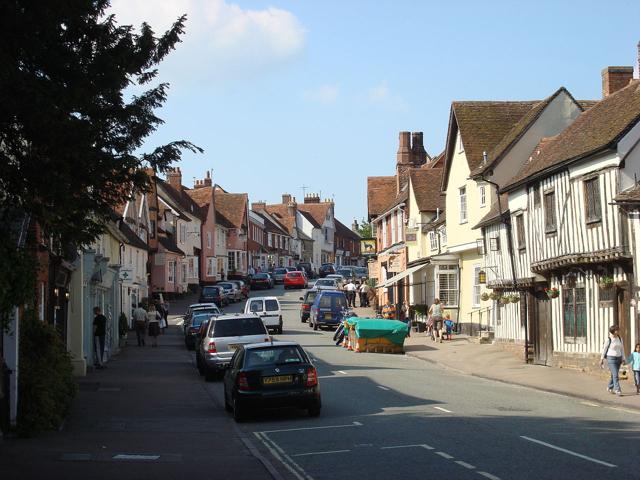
{"x": 150, "y": 414}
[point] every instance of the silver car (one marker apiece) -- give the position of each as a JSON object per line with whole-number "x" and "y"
{"x": 232, "y": 290}
{"x": 223, "y": 336}
{"x": 326, "y": 284}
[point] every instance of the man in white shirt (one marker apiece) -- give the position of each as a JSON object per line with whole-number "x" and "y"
{"x": 351, "y": 293}
{"x": 140, "y": 323}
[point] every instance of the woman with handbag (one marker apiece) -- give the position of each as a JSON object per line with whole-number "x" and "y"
{"x": 613, "y": 352}
{"x": 153, "y": 322}
{"x": 436, "y": 315}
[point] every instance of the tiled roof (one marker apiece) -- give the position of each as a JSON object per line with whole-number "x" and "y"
{"x": 426, "y": 187}
{"x": 343, "y": 231}
{"x": 597, "y": 129}
{"x": 317, "y": 210}
{"x": 309, "y": 217}
{"x": 202, "y": 196}
{"x": 180, "y": 199}
{"x": 232, "y": 206}
{"x": 493, "y": 215}
{"x": 170, "y": 245}
{"x": 281, "y": 212}
{"x": 271, "y": 224}
{"x": 131, "y": 237}
{"x": 631, "y": 195}
{"x": 437, "y": 162}
{"x": 482, "y": 126}
{"x": 380, "y": 193}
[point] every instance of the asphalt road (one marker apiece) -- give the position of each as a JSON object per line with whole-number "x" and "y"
{"x": 394, "y": 416}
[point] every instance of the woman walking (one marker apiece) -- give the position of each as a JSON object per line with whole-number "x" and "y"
{"x": 153, "y": 320}
{"x": 613, "y": 352}
{"x": 436, "y": 316}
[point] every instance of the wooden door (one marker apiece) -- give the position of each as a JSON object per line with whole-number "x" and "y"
{"x": 541, "y": 330}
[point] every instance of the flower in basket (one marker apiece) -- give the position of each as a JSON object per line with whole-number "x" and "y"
{"x": 494, "y": 296}
{"x": 606, "y": 281}
{"x": 552, "y": 292}
{"x": 484, "y": 297}
{"x": 514, "y": 298}
{"x": 504, "y": 300}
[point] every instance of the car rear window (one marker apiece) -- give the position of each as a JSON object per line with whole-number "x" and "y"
{"x": 255, "y": 306}
{"x": 238, "y": 327}
{"x": 280, "y": 270}
{"x": 282, "y": 355}
{"x": 324, "y": 282}
{"x": 272, "y": 305}
{"x": 197, "y": 320}
{"x": 260, "y": 276}
{"x": 344, "y": 272}
{"x": 207, "y": 311}
{"x": 333, "y": 301}
{"x": 210, "y": 291}
{"x": 294, "y": 274}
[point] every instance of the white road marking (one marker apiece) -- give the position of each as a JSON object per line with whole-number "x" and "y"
{"x": 465, "y": 464}
{"x": 564, "y": 450}
{"x": 328, "y": 376}
{"x": 282, "y": 457}
{"x": 427, "y": 447}
{"x": 444, "y": 455}
{"x": 635, "y": 412}
{"x": 590, "y": 404}
{"x": 319, "y": 453}
{"x": 420, "y": 445}
{"x": 382, "y": 388}
{"x": 354, "y": 424}
{"x": 135, "y": 457}
{"x": 488, "y": 475}
{"x": 443, "y": 409}
{"x": 342, "y": 372}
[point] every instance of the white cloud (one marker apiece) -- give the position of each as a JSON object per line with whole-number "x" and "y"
{"x": 325, "y": 94}
{"x": 222, "y": 40}
{"x": 382, "y": 95}
{"x": 378, "y": 93}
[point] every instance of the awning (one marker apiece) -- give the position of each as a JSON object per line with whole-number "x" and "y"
{"x": 400, "y": 276}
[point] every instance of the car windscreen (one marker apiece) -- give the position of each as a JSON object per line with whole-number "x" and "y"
{"x": 278, "y": 271}
{"x": 344, "y": 272}
{"x": 271, "y": 305}
{"x": 260, "y": 276}
{"x": 226, "y": 286}
{"x": 238, "y": 327}
{"x": 276, "y": 355}
{"x": 197, "y": 320}
{"x": 209, "y": 291}
{"x": 326, "y": 283}
{"x": 310, "y": 297}
{"x": 333, "y": 301}
{"x": 207, "y": 311}
{"x": 255, "y": 306}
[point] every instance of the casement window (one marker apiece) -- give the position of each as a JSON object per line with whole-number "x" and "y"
{"x": 592, "y": 202}
{"x": 171, "y": 271}
{"x": 463, "y": 204}
{"x": 152, "y": 229}
{"x": 550, "y": 225}
{"x": 520, "y": 232}
{"x": 536, "y": 195}
{"x": 443, "y": 235}
{"x": 232, "y": 261}
{"x": 208, "y": 239}
{"x": 433, "y": 240}
{"x": 482, "y": 193}
{"x": 270, "y": 240}
{"x": 211, "y": 266}
{"x": 476, "y": 285}
{"x": 184, "y": 273}
{"x": 448, "y": 285}
{"x": 574, "y": 310}
{"x": 183, "y": 233}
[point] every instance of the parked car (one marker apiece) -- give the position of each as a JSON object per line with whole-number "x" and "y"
{"x": 244, "y": 288}
{"x": 223, "y": 336}
{"x": 273, "y": 374}
{"x": 278, "y": 275}
{"x": 340, "y": 280}
{"x": 326, "y": 284}
{"x": 231, "y": 289}
{"x": 268, "y": 309}
{"x": 347, "y": 273}
{"x": 295, "y": 280}
{"x": 306, "y": 268}
{"x": 327, "y": 309}
{"x": 199, "y": 308}
{"x": 262, "y": 281}
{"x": 326, "y": 269}
{"x": 191, "y": 330}
{"x": 214, "y": 294}
{"x": 307, "y": 300}
{"x": 361, "y": 272}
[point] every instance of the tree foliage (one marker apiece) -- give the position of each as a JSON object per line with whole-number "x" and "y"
{"x": 364, "y": 229}
{"x": 70, "y": 135}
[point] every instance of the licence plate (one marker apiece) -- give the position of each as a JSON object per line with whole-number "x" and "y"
{"x": 234, "y": 346}
{"x": 277, "y": 379}
{"x": 327, "y": 316}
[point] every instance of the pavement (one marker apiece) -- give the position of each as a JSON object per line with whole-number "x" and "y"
{"x": 491, "y": 361}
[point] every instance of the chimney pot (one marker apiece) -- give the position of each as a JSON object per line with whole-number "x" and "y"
{"x": 615, "y": 78}
{"x": 286, "y": 198}
{"x": 174, "y": 178}
{"x": 417, "y": 148}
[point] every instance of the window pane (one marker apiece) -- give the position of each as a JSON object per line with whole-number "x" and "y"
{"x": 581, "y": 312}
{"x": 568, "y": 313}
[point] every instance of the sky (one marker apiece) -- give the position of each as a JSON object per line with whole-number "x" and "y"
{"x": 293, "y": 96}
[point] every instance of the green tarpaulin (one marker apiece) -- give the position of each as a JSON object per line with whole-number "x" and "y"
{"x": 393, "y": 330}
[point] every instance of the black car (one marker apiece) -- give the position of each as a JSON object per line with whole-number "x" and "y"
{"x": 307, "y": 301}
{"x": 214, "y": 294}
{"x": 261, "y": 280}
{"x": 306, "y": 268}
{"x": 271, "y": 375}
{"x": 326, "y": 269}
{"x": 191, "y": 331}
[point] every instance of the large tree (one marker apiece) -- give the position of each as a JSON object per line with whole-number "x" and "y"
{"x": 70, "y": 135}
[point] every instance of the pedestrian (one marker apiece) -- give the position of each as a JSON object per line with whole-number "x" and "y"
{"x": 634, "y": 361}
{"x": 163, "y": 316}
{"x": 436, "y": 316}
{"x": 364, "y": 295}
{"x": 613, "y": 352}
{"x": 350, "y": 290}
{"x": 405, "y": 317}
{"x": 140, "y": 322}
{"x": 99, "y": 332}
{"x": 153, "y": 321}
{"x": 389, "y": 311}
{"x": 448, "y": 325}
{"x": 372, "y": 297}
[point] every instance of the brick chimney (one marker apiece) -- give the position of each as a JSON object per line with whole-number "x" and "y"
{"x": 615, "y": 78}
{"x": 174, "y": 178}
{"x": 417, "y": 149}
{"x": 312, "y": 198}
{"x": 404, "y": 160}
{"x": 259, "y": 205}
{"x": 292, "y": 206}
{"x": 354, "y": 226}
{"x": 286, "y": 198}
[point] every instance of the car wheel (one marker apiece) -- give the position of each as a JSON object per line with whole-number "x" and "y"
{"x": 314, "y": 411}
{"x": 238, "y": 412}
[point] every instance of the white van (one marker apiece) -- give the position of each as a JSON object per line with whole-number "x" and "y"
{"x": 268, "y": 308}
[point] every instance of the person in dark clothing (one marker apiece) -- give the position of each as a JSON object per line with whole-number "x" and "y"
{"x": 99, "y": 333}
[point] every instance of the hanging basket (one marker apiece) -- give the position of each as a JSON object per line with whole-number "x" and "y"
{"x": 504, "y": 300}
{"x": 494, "y": 296}
{"x": 514, "y": 298}
{"x": 552, "y": 292}
{"x": 484, "y": 297}
{"x": 606, "y": 282}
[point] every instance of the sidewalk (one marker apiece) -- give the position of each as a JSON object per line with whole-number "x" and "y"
{"x": 493, "y": 362}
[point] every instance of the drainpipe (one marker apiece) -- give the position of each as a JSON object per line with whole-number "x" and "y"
{"x": 507, "y": 224}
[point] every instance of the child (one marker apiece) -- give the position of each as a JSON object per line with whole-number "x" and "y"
{"x": 634, "y": 361}
{"x": 448, "y": 324}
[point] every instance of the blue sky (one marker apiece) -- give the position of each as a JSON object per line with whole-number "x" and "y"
{"x": 282, "y": 94}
